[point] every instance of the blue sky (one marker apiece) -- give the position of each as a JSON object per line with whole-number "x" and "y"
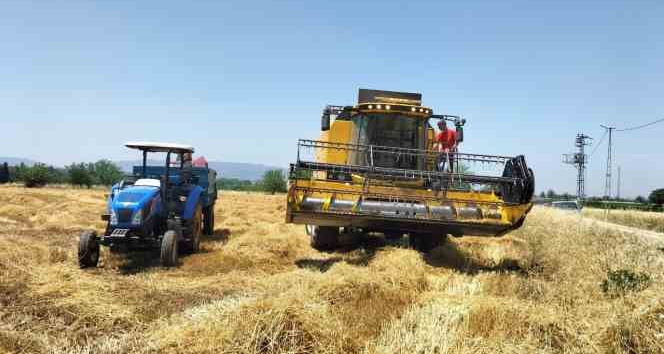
{"x": 243, "y": 80}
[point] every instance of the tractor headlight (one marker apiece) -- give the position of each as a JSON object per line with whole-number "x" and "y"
{"x": 114, "y": 217}
{"x": 137, "y": 219}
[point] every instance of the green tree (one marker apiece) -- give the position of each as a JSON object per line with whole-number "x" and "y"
{"x": 36, "y": 176}
{"x": 107, "y": 173}
{"x": 542, "y": 195}
{"x": 273, "y": 181}
{"x": 18, "y": 172}
{"x": 657, "y": 196}
{"x": 640, "y": 199}
{"x": 4, "y": 173}
{"x": 550, "y": 193}
{"x": 80, "y": 175}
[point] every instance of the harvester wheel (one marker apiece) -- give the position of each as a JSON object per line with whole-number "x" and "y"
{"x": 324, "y": 238}
{"x": 393, "y": 235}
{"x": 88, "y": 249}
{"x": 208, "y": 220}
{"x": 169, "y": 249}
{"x": 426, "y": 242}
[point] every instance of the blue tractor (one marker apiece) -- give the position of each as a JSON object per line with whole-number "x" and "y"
{"x": 166, "y": 207}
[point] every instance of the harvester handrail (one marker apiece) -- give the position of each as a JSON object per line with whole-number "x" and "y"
{"x": 402, "y": 150}
{"x": 400, "y": 172}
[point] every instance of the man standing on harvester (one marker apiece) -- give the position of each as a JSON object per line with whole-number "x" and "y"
{"x": 446, "y": 145}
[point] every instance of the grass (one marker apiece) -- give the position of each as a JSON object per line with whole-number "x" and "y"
{"x": 645, "y": 220}
{"x": 257, "y": 287}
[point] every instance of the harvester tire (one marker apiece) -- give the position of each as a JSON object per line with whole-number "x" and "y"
{"x": 426, "y": 242}
{"x": 208, "y": 220}
{"x": 324, "y": 238}
{"x": 169, "y": 249}
{"x": 88, "y": 249}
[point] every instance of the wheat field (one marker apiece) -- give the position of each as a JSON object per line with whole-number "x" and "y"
{"x": 257, "y": 287}
{"x": 646, "y": 220}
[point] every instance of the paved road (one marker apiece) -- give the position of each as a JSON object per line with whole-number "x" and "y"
{"x": 649, "y": 236}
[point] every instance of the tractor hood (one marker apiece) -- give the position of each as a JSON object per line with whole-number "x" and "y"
{"x": 134, "y": 197}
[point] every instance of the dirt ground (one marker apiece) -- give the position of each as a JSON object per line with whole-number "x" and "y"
{"x": 257, "y": 287}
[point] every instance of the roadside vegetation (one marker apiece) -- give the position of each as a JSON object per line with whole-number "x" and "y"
{"x": 273, "y": 181}
{"x": 553, "y": 286}
{"x": 646, "y": 220}
{"x": 102, "y": 172}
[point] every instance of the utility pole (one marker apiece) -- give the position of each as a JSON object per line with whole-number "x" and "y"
{"x": 618, "y": 187}
{"x": 579, "y": 160}
{"x": 607, "y": 185}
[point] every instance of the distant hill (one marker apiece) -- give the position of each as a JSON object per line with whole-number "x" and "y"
{"x": 13, "y": 161}
{"x": 245, "y": 171}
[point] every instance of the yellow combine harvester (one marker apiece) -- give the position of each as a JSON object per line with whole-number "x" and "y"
{"x": 374, "y": 170}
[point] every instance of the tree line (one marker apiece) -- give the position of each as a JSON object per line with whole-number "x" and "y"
{"x": 102, "y": 172}
{"x": 655, "y": 197}
{"x": 273, "y": 181}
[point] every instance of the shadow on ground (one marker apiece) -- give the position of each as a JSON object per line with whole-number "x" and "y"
{"x": 449, "y": 255}
{"x": 219, "y": 235}
{"x": 137, "y": 261}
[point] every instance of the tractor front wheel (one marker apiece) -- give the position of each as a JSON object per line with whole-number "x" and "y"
{"x": 169, "y": 249}
{"x": 88, "y": 249}
{"x": 208, "y": 220}
{"x": 323, "y": 238}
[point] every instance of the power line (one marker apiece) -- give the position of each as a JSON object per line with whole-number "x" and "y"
{"x": 598, "y": 144}
{"x": 640, "y": 126}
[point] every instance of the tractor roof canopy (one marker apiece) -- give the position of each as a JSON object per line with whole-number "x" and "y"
{"x": 159, "y": 147}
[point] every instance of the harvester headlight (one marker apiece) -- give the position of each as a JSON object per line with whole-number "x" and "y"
{"x": 370, "y": 106}
{"x": 412, "y": 109}
{"x": 183, "y": 198}
{"x": 421, "y": 110}
{"x": 378, "y": 106}
{"x": 114, "y": 217}
{"x": 387, "y": 106}
{"x": 137, "y": 219}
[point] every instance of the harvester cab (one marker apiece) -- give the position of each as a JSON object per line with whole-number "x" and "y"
{"x": 166, "y": 206}
{"x": 374, "y": 169}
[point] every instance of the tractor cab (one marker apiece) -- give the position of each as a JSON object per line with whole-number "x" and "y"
{"x": 167, "y": 206}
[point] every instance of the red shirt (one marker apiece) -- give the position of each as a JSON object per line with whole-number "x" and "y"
{"x": 447, "y": 138}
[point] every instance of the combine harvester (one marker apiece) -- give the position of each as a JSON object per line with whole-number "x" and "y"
{"x": 374, "y": 170}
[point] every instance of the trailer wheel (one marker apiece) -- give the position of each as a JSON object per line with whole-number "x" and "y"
{"x": 169, "y": 249}
{"x": 194, "y": 243}
{"x": 208, "y": 220}
{"x": 324, "y": 238}
{"x": 426, "y": 242}
{"x": 88, "y": 249}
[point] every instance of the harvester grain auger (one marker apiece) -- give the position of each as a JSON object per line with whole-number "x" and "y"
{"x": 374, "y": 170}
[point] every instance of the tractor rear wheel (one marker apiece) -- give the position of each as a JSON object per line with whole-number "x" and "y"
{"x": 323, "y": 238}
{"x": 194, "y": 243}
{"x": 88, "y": 249}
{"x": 208, "y": 220}
{"x": 169, "y": 249}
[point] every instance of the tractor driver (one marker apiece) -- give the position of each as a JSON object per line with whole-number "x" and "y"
{"x": 446, "y": 145}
